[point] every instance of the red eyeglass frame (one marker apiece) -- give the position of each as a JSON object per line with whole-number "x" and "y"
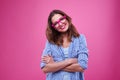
{"x": 53, "y": 25}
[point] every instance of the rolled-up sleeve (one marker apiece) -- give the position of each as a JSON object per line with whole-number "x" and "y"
{"x": 46, "y": 51}
{"x": 83, "y": 52}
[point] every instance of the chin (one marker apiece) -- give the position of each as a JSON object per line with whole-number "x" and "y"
{"x": 63, "y": 30}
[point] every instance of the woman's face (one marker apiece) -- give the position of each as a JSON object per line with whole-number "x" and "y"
{"x": 60, "y": 23}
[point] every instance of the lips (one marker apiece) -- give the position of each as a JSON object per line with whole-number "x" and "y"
{"x": 62, "y": 27}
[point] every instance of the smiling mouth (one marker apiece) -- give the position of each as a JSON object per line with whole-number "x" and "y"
{"x": 62, "y": 27}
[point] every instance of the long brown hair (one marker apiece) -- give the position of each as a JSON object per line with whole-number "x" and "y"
{"x": 53, "y": 35}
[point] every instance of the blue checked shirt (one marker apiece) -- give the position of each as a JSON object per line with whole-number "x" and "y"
{"x": 77, "y": 49}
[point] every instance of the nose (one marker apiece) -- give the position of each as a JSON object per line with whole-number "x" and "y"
{"x": 60, "y": 23}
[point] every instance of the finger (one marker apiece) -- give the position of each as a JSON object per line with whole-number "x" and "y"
{"x": 45, "y": 59}
{"x": 44, "y": 55}
{"x": 49, "y": 55}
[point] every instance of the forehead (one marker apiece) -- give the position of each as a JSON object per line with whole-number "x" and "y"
{"x": 56, "y": 17}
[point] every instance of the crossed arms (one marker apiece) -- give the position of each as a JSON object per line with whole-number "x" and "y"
{"x": 69, "y": 65}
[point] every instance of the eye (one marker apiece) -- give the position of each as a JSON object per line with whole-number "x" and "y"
{"x": 62, "y": 18}
{"x": 55, "y": 23}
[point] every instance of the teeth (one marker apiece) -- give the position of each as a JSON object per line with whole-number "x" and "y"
{"x": 62, "y": 27}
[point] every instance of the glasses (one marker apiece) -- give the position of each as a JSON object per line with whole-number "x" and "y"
{"x": 56, "y": 24}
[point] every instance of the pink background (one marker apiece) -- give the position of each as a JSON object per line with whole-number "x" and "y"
{"x": 22, "y": 36}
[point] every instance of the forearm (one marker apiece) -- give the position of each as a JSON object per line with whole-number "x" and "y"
{"x": 73, "y": 68}
{"x": 55, "y": 66}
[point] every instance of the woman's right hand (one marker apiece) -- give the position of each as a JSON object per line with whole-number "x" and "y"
{"x": 47, "y": 59}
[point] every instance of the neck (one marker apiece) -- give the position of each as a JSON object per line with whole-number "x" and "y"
{"x": 66, "y": 42}
{"x": 65, "y": 38}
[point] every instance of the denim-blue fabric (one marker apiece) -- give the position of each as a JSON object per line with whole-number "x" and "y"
{"x": 77, "y": 49}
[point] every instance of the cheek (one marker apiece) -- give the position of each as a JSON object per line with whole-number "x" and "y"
{"x": 67, "y": 23}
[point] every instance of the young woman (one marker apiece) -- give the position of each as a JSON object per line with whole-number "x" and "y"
{"x": 65, "y": 56}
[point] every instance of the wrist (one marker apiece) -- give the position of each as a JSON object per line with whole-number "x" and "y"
{"x": 68, "y": 62}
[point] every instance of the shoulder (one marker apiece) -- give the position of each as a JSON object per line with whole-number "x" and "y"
{"x": 80, "y": 40}
{"x": 47, "y": 44}
{"x": 81, "y": 37}
{"x": 50, "y": 45}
